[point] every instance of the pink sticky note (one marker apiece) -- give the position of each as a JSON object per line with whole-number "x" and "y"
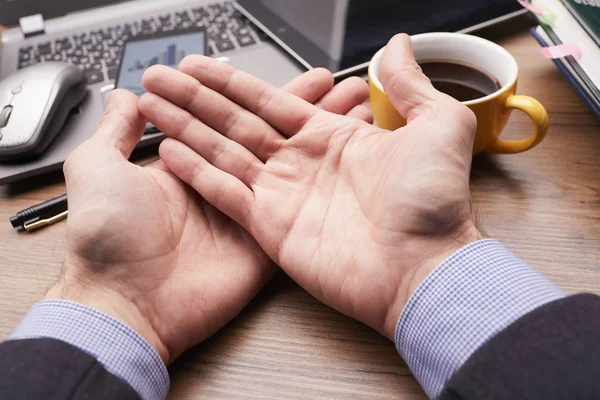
{"x": 562, "y": 50}
{"x": 532, "y": 8}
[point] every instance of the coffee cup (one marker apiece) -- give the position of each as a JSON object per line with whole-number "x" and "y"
{"x": 492, "y": 110}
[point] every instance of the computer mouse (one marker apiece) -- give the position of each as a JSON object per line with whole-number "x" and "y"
{"x": 35, "y": 103}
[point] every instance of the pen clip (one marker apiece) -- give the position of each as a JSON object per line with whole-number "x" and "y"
{"x": 39, "y": 223}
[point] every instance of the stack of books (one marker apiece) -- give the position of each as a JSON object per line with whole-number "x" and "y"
{"x": 578, "y": 22}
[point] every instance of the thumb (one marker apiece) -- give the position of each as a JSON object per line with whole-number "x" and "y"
{"x": 122, "y": 125}
{"x": 408, "y": 89}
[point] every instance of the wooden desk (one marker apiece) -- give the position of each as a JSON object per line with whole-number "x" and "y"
{"x": 544, "y": 204}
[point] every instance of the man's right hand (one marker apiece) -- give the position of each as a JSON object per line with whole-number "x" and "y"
{"x": 357, "y": 215}
{"x": 146, "y": 249}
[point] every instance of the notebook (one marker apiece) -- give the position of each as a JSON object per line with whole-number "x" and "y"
{"x": 587, "y": 13}
{"x": 575, "y": 21}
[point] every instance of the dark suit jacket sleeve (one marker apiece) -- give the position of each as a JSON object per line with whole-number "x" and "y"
{"x": 52, "y": 369}
{"x": 551, "y": 353}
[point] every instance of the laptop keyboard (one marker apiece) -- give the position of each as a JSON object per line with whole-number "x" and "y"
{"x": 98, "y": 52}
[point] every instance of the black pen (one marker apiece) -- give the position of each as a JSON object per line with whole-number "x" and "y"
{"x": 40, "y": 215}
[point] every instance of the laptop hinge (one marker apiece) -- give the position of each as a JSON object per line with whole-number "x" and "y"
{"x": 32, "y": 25}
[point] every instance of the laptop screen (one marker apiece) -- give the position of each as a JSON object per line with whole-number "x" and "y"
{"x": 12, "y": 10}
{"x": 340, "y": 34}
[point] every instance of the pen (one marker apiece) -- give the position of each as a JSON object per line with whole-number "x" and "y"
{"x": 40, "y": 215}
{"x": 46, "y": 213}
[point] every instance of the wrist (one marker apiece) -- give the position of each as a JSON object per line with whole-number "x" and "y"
{"x": 443, "y": 248}
{"x": 109, "y": 300}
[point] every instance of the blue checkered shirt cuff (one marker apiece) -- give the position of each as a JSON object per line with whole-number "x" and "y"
{"x": 120, "y": 349}
{"x": 469, "y": 298}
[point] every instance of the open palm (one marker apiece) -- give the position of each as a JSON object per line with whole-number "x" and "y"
{"x": 139, "y": 236}
{"x": 349, "y": 210}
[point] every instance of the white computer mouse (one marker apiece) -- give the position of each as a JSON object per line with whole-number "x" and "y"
{"x": 35, "y": 103}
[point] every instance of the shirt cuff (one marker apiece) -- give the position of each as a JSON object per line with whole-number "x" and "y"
{"x": 121, "y": 350}
{"x": 469, "y": 298}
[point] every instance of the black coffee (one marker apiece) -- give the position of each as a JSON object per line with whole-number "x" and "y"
{"x": 463, "y": 82}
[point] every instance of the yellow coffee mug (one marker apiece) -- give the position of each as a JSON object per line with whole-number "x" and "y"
{"x": 492, "y": 111}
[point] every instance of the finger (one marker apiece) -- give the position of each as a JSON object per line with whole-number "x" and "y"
{"x": 361, "y": 112}
{"x": 220, "y": 151}
{"x": 345, "y": 96}
{"x": 408, "y": 89}
{"x": 213, "y": 109}
{"x": 284, "y": 111}
{"x": 122, "y": 125}
{"x": 224, "y": 191}
{"x": 311, "y": 85}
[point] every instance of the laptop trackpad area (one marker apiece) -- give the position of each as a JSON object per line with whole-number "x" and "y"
{"x": 267, "y": 62}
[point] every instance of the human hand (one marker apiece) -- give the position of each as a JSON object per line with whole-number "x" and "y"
{"x": 357, "y": 215}
{"x": 146, "y": 248}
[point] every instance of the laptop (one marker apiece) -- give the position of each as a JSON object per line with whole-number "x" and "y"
{"x": 91, "y": 33}
{"x": 343, "y": 35}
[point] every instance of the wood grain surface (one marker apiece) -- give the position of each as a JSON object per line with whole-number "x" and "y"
{"x": 544, "y": 204}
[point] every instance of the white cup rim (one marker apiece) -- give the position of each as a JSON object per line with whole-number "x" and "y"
{"x": 374, "y": 65}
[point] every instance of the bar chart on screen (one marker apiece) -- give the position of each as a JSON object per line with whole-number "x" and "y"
{"x": 171, "y": 56}
{"x": 145, "y": 52}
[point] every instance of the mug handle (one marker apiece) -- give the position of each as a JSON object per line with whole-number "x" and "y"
{"x": 538, "y": 115}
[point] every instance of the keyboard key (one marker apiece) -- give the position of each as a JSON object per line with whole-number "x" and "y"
{"x": 44, "y": 48}
{"x": 225, "y": 46}
{"x": 59, "y": 46}
{"x": 113, "y": 30}
{"x": 200, "y": 13}
{"x": 220, "y": 37}
{"x": 112, "y": 73}
{"x": 220, "y": 26}
{"x": 183, "y": 15}
{"x": 216, "y": 9}
{"x": 131, "y": 26}
{"x": 95, "y": 67}
{"x": 25, "y": 49}
{"x": 57, "y": 57}
{"x": 111, "y": 63}
{"x": 98, "y": 36}
{"x": 245, "y": 40}
{"x": 94, "y": 77}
